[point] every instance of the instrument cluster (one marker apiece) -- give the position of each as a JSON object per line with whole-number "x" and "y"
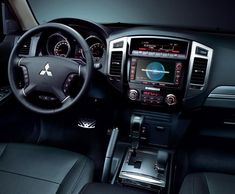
{"x": 58, "y": 44}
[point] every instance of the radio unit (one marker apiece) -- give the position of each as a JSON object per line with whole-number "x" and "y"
{"x": 156, "y": 70}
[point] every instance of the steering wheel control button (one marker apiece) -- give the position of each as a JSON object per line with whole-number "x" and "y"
{"x": 171, "y": 99}
{"x": 26, "y": 76}
{"x": 133, "y": 94}
{"x": 68, "y": 82}
{"x": 118, "y": 44}
{"x": 46, "y": 98}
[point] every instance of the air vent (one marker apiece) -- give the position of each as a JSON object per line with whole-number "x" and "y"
{"x": 116, "y": 63}
{"x": 199, "y": 71}
{"x": 25, "y": 48}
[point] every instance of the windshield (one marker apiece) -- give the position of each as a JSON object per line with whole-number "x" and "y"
{"x": 207, "y": 14}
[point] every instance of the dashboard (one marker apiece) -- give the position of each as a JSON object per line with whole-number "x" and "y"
{"x": 148, "y": 66}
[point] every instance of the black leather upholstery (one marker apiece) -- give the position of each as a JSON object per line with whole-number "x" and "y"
{"x": 101, "y": 188}
{"x": 31, "y": 169}
{"x": 208, "y": 183}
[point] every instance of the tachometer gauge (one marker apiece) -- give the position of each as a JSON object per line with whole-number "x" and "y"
{"x": 62, "y": 48}
{"x": 97, "y": 47}
{"x": 97, "y": 50}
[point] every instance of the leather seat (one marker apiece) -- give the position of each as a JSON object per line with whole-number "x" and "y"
{"x": 32, "y": 169}
{"x": 208, "y": 183}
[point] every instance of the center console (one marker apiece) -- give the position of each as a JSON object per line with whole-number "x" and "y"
{"x": 144, "y": 167}
{"x": 141, "y": 168}
{"x": 159, "y": 77}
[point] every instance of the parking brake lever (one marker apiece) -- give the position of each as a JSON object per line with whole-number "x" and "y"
{"x": 109, "y": 155}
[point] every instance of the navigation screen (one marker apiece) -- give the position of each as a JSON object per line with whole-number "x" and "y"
{"x": 155, "y": 70}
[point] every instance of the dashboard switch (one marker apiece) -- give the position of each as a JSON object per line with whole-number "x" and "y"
{"x": 171, "y": 99}
{"x": 201, "y": 51}
{"x": 118, "y": 44}
{"x": 133, "y": 94}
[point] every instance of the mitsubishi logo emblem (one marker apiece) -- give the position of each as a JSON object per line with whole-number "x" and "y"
{"x": 46, "y": 70}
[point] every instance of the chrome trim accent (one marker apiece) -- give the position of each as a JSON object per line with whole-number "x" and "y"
{"x": 152, "y": 89}
{"x": 123, "y": 50}
{"x": 18, "y": 64}
{"x": 79, "y": 70}
{"x": 222, "y": 96}
{"x": 23, "y": 92}
{"x": 142, "y": 178}
{"x": 65, "y": 99}
{"x": 229, "y": 123}
{"x": 191, "y": 63}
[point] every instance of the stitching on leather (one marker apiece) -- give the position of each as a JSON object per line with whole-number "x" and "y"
{"x": 8, "y": 172}
{"x": 81, "y": 172}
{"x": 207, "y": 183}
{"x": 3, "y": 150}
{"x": 193, "y": 184}
{"x": 84, "y": 188}
{"x": 76, "y": 164}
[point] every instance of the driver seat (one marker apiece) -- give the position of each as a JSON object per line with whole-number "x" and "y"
{"x": 33, "y": 169}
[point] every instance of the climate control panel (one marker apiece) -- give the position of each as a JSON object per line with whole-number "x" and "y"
{"x": 154, "y": 98}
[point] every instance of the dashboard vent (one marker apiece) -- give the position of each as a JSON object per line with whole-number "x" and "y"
{"x": 116, "y": 63}
{"x": 25, "y": 48}
{"x": 199, "y": 71}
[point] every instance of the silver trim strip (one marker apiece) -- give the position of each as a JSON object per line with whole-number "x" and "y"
{"x": 142, "y": 178}
{"x": 152, "y": 89}
{"x": 65, "y": 99}
{"x": 191, "y": 63}
{"x": 222, "y": 96}
{"x": 23, "y": 92}
{"x": 229, "y": 123}
{"x": 123, "y": 50}
{"x": 19, "y": 62}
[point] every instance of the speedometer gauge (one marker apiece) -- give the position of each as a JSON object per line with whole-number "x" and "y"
{"x": 97, "y": 50}
{"x": 62, "y": 48}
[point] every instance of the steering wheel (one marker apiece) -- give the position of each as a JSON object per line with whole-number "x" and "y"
{"x": 49, "y": 74}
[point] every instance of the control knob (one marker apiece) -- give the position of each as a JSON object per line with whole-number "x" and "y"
{"x": 171, "y": 99}
{"x": 133, "y": 94}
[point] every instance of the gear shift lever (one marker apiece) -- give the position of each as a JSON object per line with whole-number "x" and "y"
{"x": 135, "y": 128}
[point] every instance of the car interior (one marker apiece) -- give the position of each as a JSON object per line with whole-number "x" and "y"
{"x": 122, "y": 97}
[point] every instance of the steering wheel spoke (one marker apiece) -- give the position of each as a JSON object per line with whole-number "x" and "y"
{"x": 24, "y": 92}
{"x": 60, "y": 95}
{"x": 82, "y": 71}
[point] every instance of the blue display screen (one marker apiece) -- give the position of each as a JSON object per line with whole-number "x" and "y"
{"x": 155, "y": 70}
